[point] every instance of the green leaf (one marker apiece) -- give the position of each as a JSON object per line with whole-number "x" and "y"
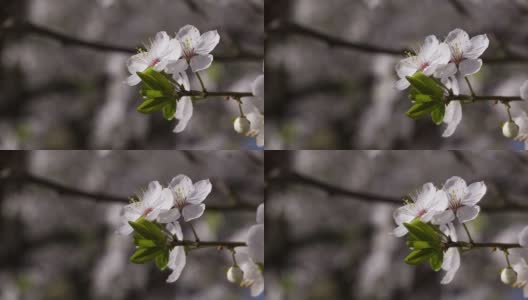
{"x": 426, "y": 85}
{"x": 169, "y": 110}
{"x": 142, "y": 242}
{"x": 156, "y": 81}
{"x": 148, "y": 93}
{"x": 436, "y": 260}
{"x": 162, "y": 260}
{"x": 152, "y": 105}
{"x": 438, "y": 114}
{"x": 419, "y": 256}
{"x": 423, "y": 232}
{"x": 422, "y": 98}
{"x": 143, "y": 255}
{"x": 149, "y": 231}
{"x": 420, "y": 245}
{"x": 421, "y": 109}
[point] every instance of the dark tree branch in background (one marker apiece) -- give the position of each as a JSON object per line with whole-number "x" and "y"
{"x": 333, "y": 190}
{"x": 26, "y": 27}
{"x": 289, "y": 28}
{"x": 8, "y": 175}
{"x": 459, "y": 7}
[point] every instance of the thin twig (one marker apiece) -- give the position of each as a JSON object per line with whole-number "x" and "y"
{"x": 482, "y": 245}
{"x": 26, "y": 178}
{"x": 290, "y": 28}
{"x": 37, "y": 30}
{"x": 296, "y": 178}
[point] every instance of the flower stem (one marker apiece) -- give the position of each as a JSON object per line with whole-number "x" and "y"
{"x": 205, "y": 244}
{"x": 482, "y": 245}
{"x": 469, "y": 86}
{"x": 194, "y": 93}
{"x": 468, "y": 234}
{"x": 507, "y": 255}
{"x": 483, "y": 98}
{"x": 201, "y": 82}
{"x": 194, "y": 232}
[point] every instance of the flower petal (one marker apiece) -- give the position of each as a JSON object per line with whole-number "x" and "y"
{"x": 479, "y": 44}
{"x": 402, "y": 84}
{"x": 452, "y": 117}
{"x": 429, "y": 47}
{"x": 177, "y": 67}
{"x": 189, "y": 36}
{"x": 191, "y": 212}
{"x": 407, "y": 67}
{"x": 256, "y": 243}
{"x": 523, "y": 237}
{"x": 152, "y": 194}
{"x": 470, "y": 66}
{"x": 260, "y": 214}
{"x": 182, "y": 186}
{"x": 458, "y": 41}
{"x": 169, "y": 216}
{"x": 467, "y": 213}
{"x": 445, "y": 71}
{"x": 175, "y": 229}
{"x": 451, "y": 264}
{"x": 207, "y": 43}
{"x": 201, "y": 62}
{"x": 160, "y": 43}
{"x": 455, "y": 186}
{"x": 177, "y": 261}
{"x": 202, "y": 189}
{"x": 524, "y": 90}
{"x": 133, "y": 80}
{"x": 184, "y": 112}
{"x": 257, "y": 87}
{"x": 476, "y": 191}
{"x": 400, "y": 231}
{"x": 444, "y": 217}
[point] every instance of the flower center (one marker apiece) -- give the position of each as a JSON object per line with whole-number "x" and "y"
{"x": 421, "y": 212}
{"x": 154, "y": 62}
{"x": 180, "y": 199}
{"x": 423, "y": 66}
{"x": 147, "y": 211}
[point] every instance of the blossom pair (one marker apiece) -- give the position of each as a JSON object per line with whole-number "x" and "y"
{"x": 454, "y": 201}
{"x": 443, "y": 60}
{"x": 174, "y": 56}
{"x": 181, "y": 198}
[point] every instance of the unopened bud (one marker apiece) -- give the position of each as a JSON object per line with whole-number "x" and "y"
{"x": 242, "y": 125}
{"x": 508, "y": 276}
{"x": 235, "y": 274}
{"x": 510, "y": 129}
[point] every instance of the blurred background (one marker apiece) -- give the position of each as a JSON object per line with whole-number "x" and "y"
{"x": 57, "y": 94}
{"x": 329, "y": 236}
{"x": 323, "y": 95}
{"x": 59, "y": 243}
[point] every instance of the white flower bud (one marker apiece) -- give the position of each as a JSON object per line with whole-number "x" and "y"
{"x": 510, "y": 129}
{"x": 508, "y": 276}
{"x": 242, "y": 125}
{"x": 235, "y": 274}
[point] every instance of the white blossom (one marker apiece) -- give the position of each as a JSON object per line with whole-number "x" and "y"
{"x": 428, "y": 58}
{"x": 255, "y": 239}
{"x": 256, "y": 121}
{"x": 154, "y": 201}
{"x": 522, "y": 122}
{"x": 195, "y": 49}
{"x": 521, "y": 268}
{"x": 426, "y": 203}
{"x": 523, "y": 237}
{"x": 463, "y": 200}
{"x": 465, "y": 52}
{"x": 188, "y": 198}
{"x": 158, "y": 54}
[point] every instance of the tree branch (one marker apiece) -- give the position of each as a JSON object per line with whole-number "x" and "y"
{"x": 206, "y": 244}
{"x": 8, "y": 175}
{"x": 26, "y": 27}
{"x": 501, "y": 246}
{"x": 484, "y": 98}
{"x": 296, "y": 178}
{"x": 290, "y": 28}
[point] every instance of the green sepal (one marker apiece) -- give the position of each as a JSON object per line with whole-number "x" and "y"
{"x": 151, "y": 105}
{"x": 419, "y": 256}
{"x": 426, "y": 85}
{"x": 162, "y": 260}
{"x": 420, "y": 109}
{"x": 436, "y": 260}
{"x": 149, "y": 231}
{"x": 143, "y": 255}
{"x": 169, "y": 110}
{"x": 437, "y": 115}
{"x": 155, "y": 80}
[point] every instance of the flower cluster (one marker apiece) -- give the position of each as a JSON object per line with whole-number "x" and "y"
{"x": 429, "y": 218}
{"x": 162, "y": 67}
{"x": 155, "y": 219}
{"x": 433, "y": 72}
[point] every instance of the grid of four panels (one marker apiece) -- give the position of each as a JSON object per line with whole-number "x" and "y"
{"x": 135, "y": 163}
